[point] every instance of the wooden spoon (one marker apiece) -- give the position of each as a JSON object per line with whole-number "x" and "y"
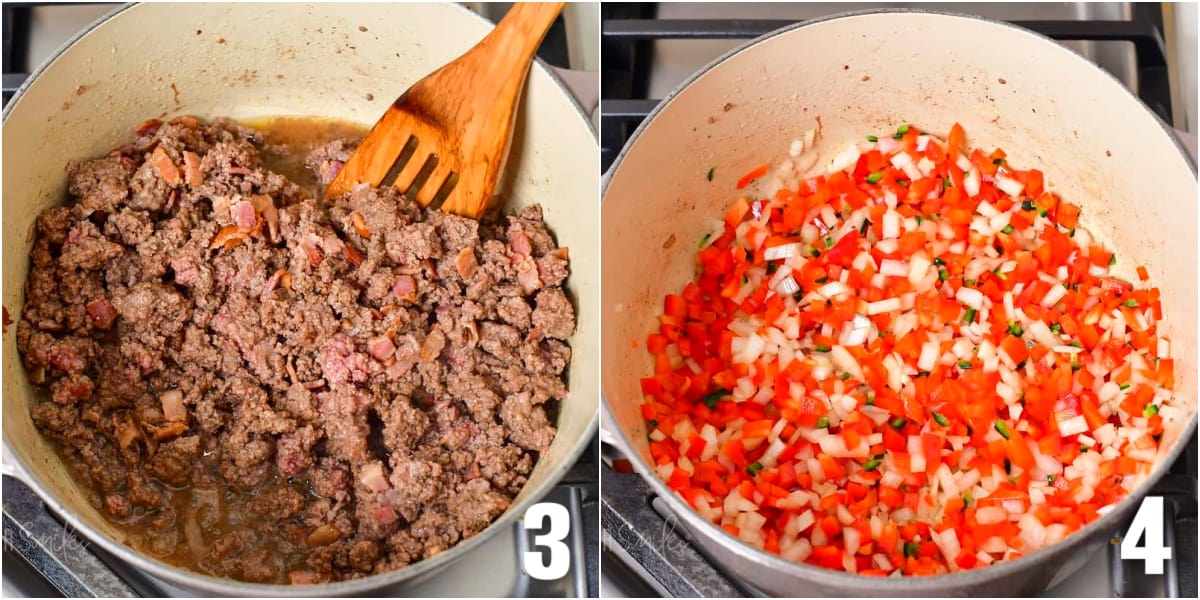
{"x": 449, "y": 134}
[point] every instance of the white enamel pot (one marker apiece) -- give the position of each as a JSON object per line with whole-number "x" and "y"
{"x": 863, "y": 73}
{"x": 338, "y": 60}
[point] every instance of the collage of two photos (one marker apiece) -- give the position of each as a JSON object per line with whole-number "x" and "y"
{"x": 606, "y": 299}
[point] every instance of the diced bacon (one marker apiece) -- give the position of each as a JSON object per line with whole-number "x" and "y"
{"x": 191, "y": 169}
{"x": 381, "y": 348}
{"x": 404, "y": 287}
{"x": 102, "y": 313}
{"x": 520, "y": 244}
{"x": 165, "y": 166}
{"x": 373, "y": 478}
{"x": 172, "y": 405}
{"x": 465, "y": 263}
{"x": 243, "y": 215}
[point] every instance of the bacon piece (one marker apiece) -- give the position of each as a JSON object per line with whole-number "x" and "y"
{"x": 381, "y": 348}
{"x": 466, "y": 263}
{"x": 191, "y": 169}
{"x": 102, "y": 313}
{"x": 165, "y": 166}
{"x": 243, "y": 215}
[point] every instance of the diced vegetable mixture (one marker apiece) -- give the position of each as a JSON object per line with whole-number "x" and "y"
{"x": 916, "y": 363}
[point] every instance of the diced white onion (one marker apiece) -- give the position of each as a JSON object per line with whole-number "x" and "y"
{"x": 782, "y": 251}
{"x": 883, "y": 306}
{"x": 970, "y": 297}
{"x": 844, "y": 159}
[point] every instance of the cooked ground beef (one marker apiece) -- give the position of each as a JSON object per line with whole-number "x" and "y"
{"x": 264, "y": 385}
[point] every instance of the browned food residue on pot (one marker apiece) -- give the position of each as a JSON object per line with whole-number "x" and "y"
{"x": 362, "y": 28}
{"x": 258, "y": 383}
{"x": 7, "y": 319}
{"x": 670, "y": 242}
{"x": 80, "y": 90}
{"x": 1003, "y": 82}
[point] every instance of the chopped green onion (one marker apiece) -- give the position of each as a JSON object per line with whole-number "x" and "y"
{"x": 1150, "y": 411}
{"x": 1131, "y": 303}
{"x": 870, "y": 398}
{"x": 845, "y": 376}
{"x": 900, "y": 132}
{"x": 898, "y": 422}
{"x": 870, "y": 465}
{"x": 1076, "y": 344}
{"x": 997, "y": 273}
{"x": 1007, "y": 466}
{"x": 1124, "y": 386}
{"x": 816, "y": 253}
{"x": 1007, "y": 229}
{"x": 998, "y": 161}
{"x": 822, "y": 348}
{"x": 946, "y": 183}
{"x": 704, "y": 240}
{"x": 969, "y": 282}
{"x": 967, "y": 497}
{"x": 910, "y": 549}
{"x": 872, "y": 138}
{"x": 1112, "y": 260}
{"x": 754, "y": 468}
{"x": 821, "y": 279}
{"x": 1015, "y": 328}
{"x": 711, "y": 399}
{"x": 941, "y": 419}
{"x": 1002, "y": 429}
{"x": 1043, "y": 212}
{"x": 828, "y": 242}
{"x": 939, "y": 262}
{"x": 823, "y": 423}
{"x": 1028, "y": 205}
{"x": 862, "y": 229}
{"x": 920, "y": 219}
{"x": 1056, "y": 328}
{"x": 875, "y": 177}
{"x": 1050, "y": 479}
{"x": 964, "y": 364}
{"x": 943, "y": 274}
{"x": 904, "y": 183}
{"x": 970, "y": 316}
{"x": 653, "y": 423}
{"x": 710, "y": 172}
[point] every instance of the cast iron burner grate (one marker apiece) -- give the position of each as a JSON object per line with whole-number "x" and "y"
{"x": 65, "y": 563}
{"x": 628, "y": 31}
{"x": 649, "y": 546}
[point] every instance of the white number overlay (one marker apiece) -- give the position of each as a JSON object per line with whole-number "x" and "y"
{"x": 560, "y": 555}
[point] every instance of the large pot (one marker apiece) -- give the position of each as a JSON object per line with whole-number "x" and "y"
{"x": 344, "y": 61}
{"x": 869, "y": 72}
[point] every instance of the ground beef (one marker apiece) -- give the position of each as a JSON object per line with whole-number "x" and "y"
{"x": 262, "y": 384}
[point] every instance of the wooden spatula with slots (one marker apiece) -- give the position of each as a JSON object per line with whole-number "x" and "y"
{"x": 448, "y": 135}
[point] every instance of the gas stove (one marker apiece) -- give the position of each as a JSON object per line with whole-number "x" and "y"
{"x": 649, "y": 49}
{"x": 44, "y": 558}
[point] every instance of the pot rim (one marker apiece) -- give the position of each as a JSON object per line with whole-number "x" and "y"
{"x": 232, "y": 587}
{"x": 887, "y": 586}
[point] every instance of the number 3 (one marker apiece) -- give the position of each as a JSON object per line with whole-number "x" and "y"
{"x": 560, "y": 555}
{"x": 1147, "y": 521}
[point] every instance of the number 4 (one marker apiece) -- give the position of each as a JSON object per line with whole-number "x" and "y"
{"x": 1148, "y": 522}
{"x": 560, "y": 555}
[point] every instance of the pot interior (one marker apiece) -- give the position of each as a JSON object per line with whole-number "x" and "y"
{"x": 247, "y": 61}
{"x": 867, "y": 74}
